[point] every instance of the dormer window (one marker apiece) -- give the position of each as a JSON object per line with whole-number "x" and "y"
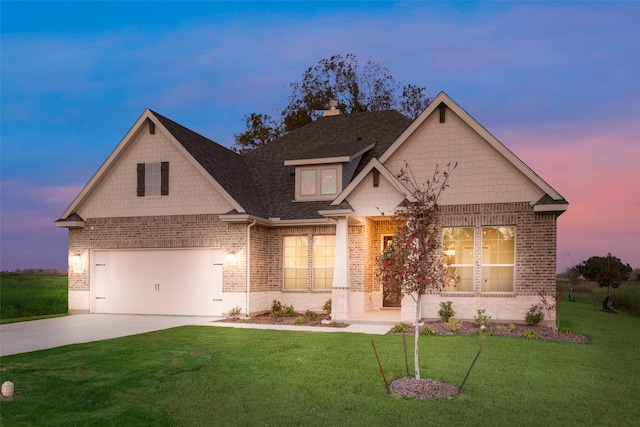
{"x": 318, "y": 182}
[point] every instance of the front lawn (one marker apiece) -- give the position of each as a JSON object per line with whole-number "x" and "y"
{"x": 222, "y": 376}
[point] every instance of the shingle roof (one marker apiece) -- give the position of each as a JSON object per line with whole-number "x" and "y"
{"x": 342, "y": 135}
{"x": 259, "y": 181}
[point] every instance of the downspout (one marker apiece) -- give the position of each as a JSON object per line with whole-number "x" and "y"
{"x": 249, "y": 265}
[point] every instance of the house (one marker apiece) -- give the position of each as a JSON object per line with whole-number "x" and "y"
{"x": 173, "y": 223}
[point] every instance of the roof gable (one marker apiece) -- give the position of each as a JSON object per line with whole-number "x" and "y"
{"x": 438, "y": 108}
{"x": 154, "y": 123}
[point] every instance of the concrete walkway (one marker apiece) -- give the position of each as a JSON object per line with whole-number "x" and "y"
{"x": 43, "y": 334}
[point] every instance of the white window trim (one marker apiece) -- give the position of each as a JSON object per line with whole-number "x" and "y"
{"x": 478, "y": 279}
{"x": 483, "y": 265}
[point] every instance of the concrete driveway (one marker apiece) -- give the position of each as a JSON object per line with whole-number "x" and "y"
{"x": 35, "y": 335}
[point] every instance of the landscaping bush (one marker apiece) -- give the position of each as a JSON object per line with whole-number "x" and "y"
{"x": 534, "y": 315}
{"x": 481, "y": 319}
{"x": 446, "y": 312}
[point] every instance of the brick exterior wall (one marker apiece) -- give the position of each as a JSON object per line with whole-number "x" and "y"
{"x": 535, "y": 263}
{"x": 155, "y": 232}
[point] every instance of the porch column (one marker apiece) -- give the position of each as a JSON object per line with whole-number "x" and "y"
{"x": 341, "y": 285}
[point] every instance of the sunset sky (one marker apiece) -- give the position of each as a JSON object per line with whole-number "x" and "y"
{"x": 557, "y": 82}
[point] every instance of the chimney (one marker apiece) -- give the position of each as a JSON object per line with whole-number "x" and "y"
{"x": 333, "y": 109}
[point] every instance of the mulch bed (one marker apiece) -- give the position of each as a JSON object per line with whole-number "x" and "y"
{"x": 265, "y": 318}
{"x": 515, "y": 330}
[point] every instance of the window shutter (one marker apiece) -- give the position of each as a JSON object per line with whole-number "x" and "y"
{"x": 140, "y": 179}
{"x": 164, "y": 178}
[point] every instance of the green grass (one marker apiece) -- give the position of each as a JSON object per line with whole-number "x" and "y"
{"x": 626, "y": 297}
{"x": 192, "y": 376}
{"x": 32, "y": 295}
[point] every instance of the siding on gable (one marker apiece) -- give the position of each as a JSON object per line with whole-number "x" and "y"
{"x": 482, "y": 176}
{"x": 367, "y": 200}
{"x": 190, "y": 192}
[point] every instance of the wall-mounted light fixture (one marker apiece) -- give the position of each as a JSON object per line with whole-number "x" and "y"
{"x": 231, "y": 258}
{"x": 76, "y": 263}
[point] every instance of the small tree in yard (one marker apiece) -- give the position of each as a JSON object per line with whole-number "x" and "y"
{"x": 412, "y": 264}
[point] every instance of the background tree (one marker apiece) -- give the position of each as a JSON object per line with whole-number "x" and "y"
{"x": 607, "y": 271}
{"x": 339, "y": 78}
{"x": 412, "y": 264}
{"x": 261, "y": 128}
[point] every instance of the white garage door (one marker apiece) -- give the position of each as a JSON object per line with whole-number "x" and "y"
{"x": 163, "y": 281}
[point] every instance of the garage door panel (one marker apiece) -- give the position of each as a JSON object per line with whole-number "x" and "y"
{"x": 157, "y": 281}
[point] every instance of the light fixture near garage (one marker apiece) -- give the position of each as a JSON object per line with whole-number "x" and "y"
{"x": 76, "y": 263}
{"x": 231, "y": 258}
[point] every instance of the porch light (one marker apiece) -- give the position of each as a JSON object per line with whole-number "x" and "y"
{"x": 77, "y": 264}
{"x": 231, "y": 258}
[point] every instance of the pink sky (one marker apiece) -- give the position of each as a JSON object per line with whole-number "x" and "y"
{"x": 595, "y": 167}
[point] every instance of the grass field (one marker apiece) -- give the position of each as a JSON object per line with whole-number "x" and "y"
{"x": 192, "y": 376}
{"x": 626, "y": 297}
{"x": 32, "y": 295}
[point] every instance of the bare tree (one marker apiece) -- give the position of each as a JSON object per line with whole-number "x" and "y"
{"x": 412, "y": 264}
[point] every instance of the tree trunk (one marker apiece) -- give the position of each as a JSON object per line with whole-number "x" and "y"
{"x": 416, "y": 358}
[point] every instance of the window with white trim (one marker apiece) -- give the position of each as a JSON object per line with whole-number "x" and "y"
{"x": 324, "y": 248}
{"x": 494, "y": 253}
{"x": 296, "y": 249}
{"x": 458, "y": 245}
{"x": 297, "y": 262}
{"x": 498, "y": 259}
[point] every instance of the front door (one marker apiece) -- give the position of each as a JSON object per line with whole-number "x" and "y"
{"x": 389, "y": 299}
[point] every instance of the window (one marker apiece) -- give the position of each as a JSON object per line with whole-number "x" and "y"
{"x": 153, "y": 179}
{"x": 458, "y": 250}
{"x": 318, "y": 183}
{"x": 295, "y": 262}
{"x": 495, "y": 253}
{"x": 329, "y": 184}
{"x": 323, "y": 255}
{"x": 498, "y": 259}
{"x": 308, "y": 182}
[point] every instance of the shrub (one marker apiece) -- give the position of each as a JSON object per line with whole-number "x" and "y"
{"x": 327, "y": 306}
{"x": 425, "y": 330}
{"x": 483, "y": 331}
{"x": 400, "y": 327}
{"x": 534, "y": 315}
{"x": 311, "y": 315}
{"x": 510, "y": 328}
{"x": 531, "y": 335}
{"x": 481, "y": 318}
{"x": 279, "y": 310}
{"x": 288, "y": 311}
{"x": 299, "y": 321}
{"x": 453, "y": 324}
{"x": 446, "y": 312}
{"x": 235, "y": 312}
